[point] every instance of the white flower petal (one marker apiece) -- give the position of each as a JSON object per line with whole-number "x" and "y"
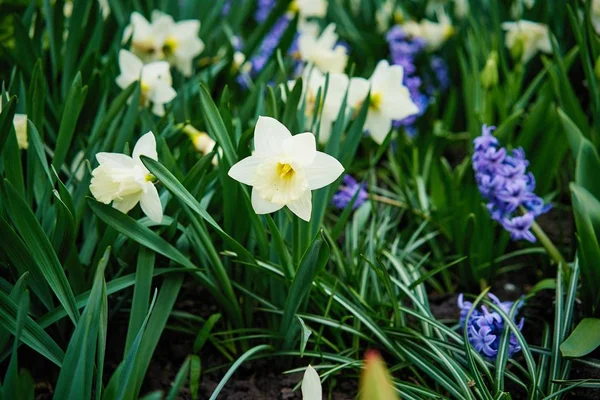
{"x": 145, "y": 146}
{"x": 357, "y": 91}
{"x": 301, "y": 147}
{"x": 302, "y": 207}
{"x": 262, "y": 206}
{"x": 336, "y": 90}
{"x": 155, "y": 71}
{"x": 162, "y": 92}
{"x": 115, "y": 160}
{"x": 187, "y": 28}
{"x": 126, "y": 203}
{"x": 311, "y": 385}
{"x": 244, "y": 170}
{"x": 380, "y": 77}
{"x": 378, "y": 126}
{"x": 268, "y": 135}
{"x": 324, "y": 170}
{"x": 131, "y": 66}
{"x": 325, "y": 129}
{"x": 158, "y": 109}
{"x": 150, "y": 203}
{"x": 20, "y": 124}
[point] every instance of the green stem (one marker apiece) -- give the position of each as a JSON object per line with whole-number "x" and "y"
{"x": 550, "y": 247}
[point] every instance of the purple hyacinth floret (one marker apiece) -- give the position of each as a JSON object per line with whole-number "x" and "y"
{"x": 485, "y": 328}
{"x": 265, "y": 51}
{"x": 404, "y": 50}
{"x": 342, "y": 198}
{"x": 263, "y": 9}
{"x": 502, "y": 178}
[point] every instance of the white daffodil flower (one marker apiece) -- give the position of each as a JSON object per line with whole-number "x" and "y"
{"x": 20, "y": 125}
{"x": 390, "y": 99}
{"x": 284, "y": 169}
{"x": 180, "y": 41}
{"x": 155, "y": 80}
{"x": 322, "y": 50}
{"x": 525, "y": 38}
{"x": 311, "y": 385}
{"x": 144, "y": 40}
{"x": 125, "y": 181}
{"x": 435, "y": 34}
{"x": 330, "y": 106}
{"x": 165, "y": 39}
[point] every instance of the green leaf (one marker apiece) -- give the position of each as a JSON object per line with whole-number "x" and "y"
{"x": 216, "y": 126}
{"x": 180, "y": 379}
{"x": 304, "y": 335}
{"x": 173, "y": 185}
{"x": 73, "y": 106}
{"x": 6, "y": 118}
{"x": 126, "y": 372}
{"x": 588, "y": 165}
{"x": 204, "y": 333}
{"x": 195, "y": 370}
{"x": 141, "y": 294}
{"x": 33, "y": 335}
{"x": 255, "y": 350}
{"x": 10, "y": 388}
{"x": 77, "y": 372}
{"x": 583, "y": 340}
{"x": 312, "y": 262}
{"x": 41, "y": 250}
{"x": 18, "y": 253}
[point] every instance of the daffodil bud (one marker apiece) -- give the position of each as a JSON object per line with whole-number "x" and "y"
{"x": 20, "y": 124}
{"x": 489, "y": 74}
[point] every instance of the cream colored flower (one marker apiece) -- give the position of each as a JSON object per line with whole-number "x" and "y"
{"x": 309, "y": 8}
{"x": 284, "y": 169}
{"x": 329, "y": 107}
{"x": 322, "y": 50}
{"x": 435, "y": 34}
{"x": 165, "y": 39}
{"x": 155, "y": 80}
{"x": 525, "y": 38}
{"x": 311, "y": 385}
{"x": 125, "y": 181}
{"x": 390, "y": 99}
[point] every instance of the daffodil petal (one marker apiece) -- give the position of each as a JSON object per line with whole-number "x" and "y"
{"x": 269, "y": 134}
{"x": 145, "y": 146}
{"x": 357, "y": 91}
{"x": 130, "y": 66}
{"x": 150, "y": 203}
{"x": 378, "y": 126}
{"x": 126, "y": 203}
{"x": 301, "y": 147}
{"x": 262, "y": 206}
{"x": 244, "y": 170}
{"x": 303, "y": 206}
{"x": 162, "y": 92}
{"x": 311, "y": 385}
{"x": 323, "y": 171}
{"x": 115, "y": 160}
{"x": 380, "y": 77}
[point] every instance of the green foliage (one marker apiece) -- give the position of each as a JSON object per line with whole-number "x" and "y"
{"x": 237, "y": 286}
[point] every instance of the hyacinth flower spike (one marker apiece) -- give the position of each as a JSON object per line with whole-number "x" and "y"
{"x": 503, "y": 180}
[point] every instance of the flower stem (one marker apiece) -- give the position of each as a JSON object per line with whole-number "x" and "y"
{"x": 550, "y": 247}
